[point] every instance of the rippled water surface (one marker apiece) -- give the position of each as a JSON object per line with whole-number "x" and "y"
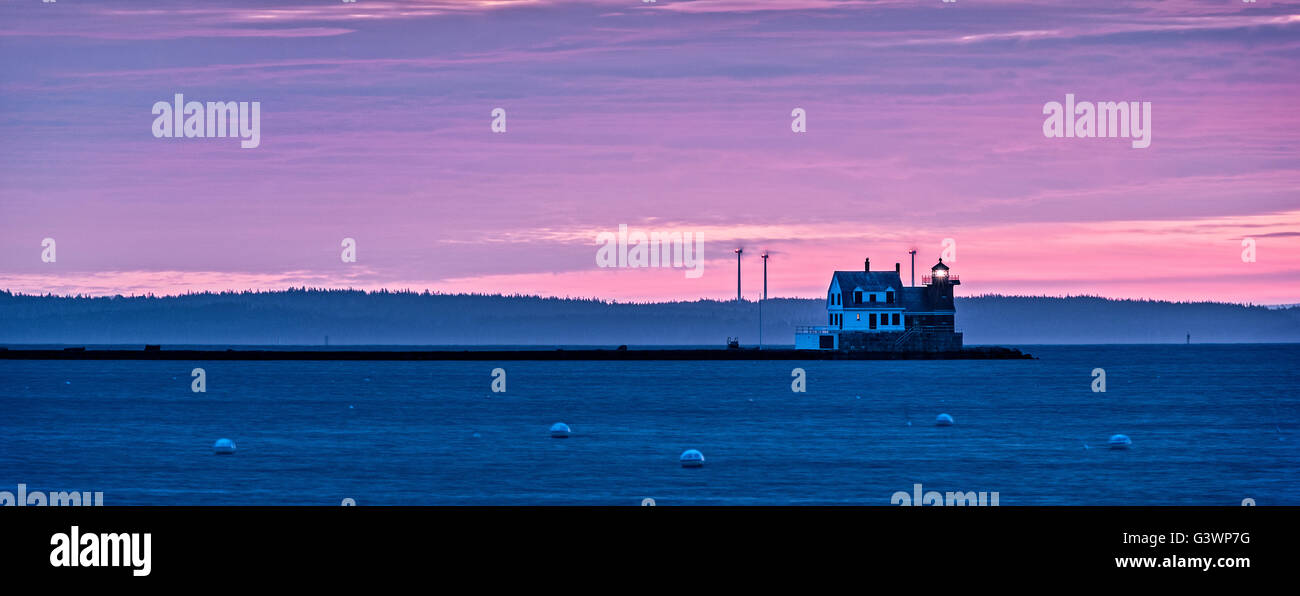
{"x": 1209, "y": 424}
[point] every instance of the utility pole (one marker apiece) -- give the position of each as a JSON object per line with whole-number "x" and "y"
{"x": 760, "y": 303}
{"x": 739, "y": 251}
{"x": 913, "y": 253}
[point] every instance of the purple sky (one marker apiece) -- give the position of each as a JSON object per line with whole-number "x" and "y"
{"x": 924, "y": 123}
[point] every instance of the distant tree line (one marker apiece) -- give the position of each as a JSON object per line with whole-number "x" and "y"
{"x": 305, "y": 316}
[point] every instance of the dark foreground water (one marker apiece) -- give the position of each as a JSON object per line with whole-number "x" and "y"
{"x": 1211, "y": 425}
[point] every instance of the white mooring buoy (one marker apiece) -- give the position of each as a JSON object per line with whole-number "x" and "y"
{"x": 560, "y": 430}
{"x": 223, "y": 447}
{"x": 943, "y": 420}
{"x": 692, "y": 458}
{"x": 1120, "y": 442}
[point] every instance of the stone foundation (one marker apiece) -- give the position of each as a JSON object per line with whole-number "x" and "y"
{"x": 886, "y": 341}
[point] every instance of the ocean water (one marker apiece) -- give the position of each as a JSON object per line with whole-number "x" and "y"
{"x": 1210, "y": 424}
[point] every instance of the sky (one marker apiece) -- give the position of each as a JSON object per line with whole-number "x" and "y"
{"x": 924, "y": 124}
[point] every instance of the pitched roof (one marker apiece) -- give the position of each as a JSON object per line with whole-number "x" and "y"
{"x": 869, "y": 281}
{"x": 914, "y": 299}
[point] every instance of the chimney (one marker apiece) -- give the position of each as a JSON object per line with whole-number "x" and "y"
{"x": 898, "y": 269}
{"x": 866, "y": 265}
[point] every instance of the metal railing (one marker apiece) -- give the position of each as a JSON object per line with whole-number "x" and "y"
{"x": 927, "y": 279}
{"x": 902, "y": 339}
{"x": 814, "y": 329}
{"x": 910, "y": 331}
{"x": 932, "y": 328}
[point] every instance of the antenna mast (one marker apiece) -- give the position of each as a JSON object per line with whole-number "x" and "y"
{"x": 913, "y": 253}
{"x": 738, "y": 253}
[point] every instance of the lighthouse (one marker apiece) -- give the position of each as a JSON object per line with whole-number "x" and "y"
{"x": 941, "y": 309}
{"x": 872, "y": 311}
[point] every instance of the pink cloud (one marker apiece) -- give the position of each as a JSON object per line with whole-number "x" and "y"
{"x": 654, "y": 118}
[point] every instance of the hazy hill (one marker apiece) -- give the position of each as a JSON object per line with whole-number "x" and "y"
{"x": 305, "y": 317}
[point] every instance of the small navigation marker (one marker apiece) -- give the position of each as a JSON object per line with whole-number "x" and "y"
{"x": 1120, "y": 442}
{"x": 943, "y": 420}
{"x": 223, "y": 447}
{"x": 560, "y": 430}
{"x": 692, "y": 458}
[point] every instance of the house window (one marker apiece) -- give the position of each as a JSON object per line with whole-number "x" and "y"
{"x": 873, "y": 297}
{"x": 857, "y": 297}
{"x": 872, "y": 321}
{"x": 895, "y": 321}
{"x": 889, "y": 297}
{"x": 830, "y": 319}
